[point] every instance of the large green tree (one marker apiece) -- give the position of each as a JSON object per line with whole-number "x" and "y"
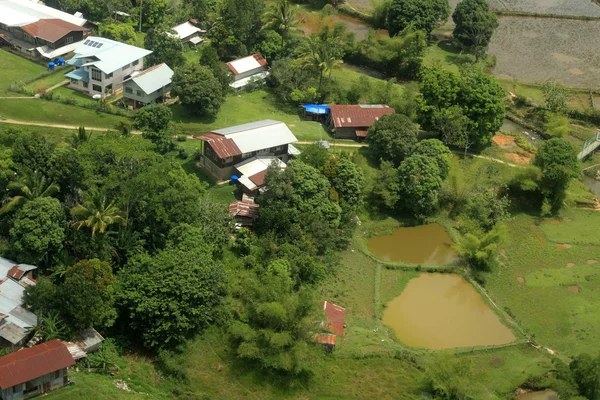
{"x": 96, "y": 213}
{"x": 425, "y": 15}
{"x": 557, "y": 159}
{"x": 87, "y": 295}
{"x": 238, "y": 27}
{"x": 586, "y": 373}
{"x": 276, "y": 324}
{"x": 37, "y": 231}
{"x": 392, "y": 137}
{"x": 155, "y": 118}
{"x": 437, "y": 151}
{"x": 475, "y": 25}
{"x": 281, "y": 17}
{"x": 120, "y": 32}
{"x": 172, "y": 294}
{"x": 419, "y": 184}
{"x": 165, "y": 47}
{"x": 198, "y": 89}
{"x": 28, "y": 186}
{"x": 347, "y": 179}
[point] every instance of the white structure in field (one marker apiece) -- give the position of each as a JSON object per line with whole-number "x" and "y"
{"x": 188, "y": 33}
{"x": 102, "y": 65}
{"x": 245, "y": 69}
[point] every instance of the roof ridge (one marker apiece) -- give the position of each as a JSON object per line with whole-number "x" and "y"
{"x": 152, "y": 68}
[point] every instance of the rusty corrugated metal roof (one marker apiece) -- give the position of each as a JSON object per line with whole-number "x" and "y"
{"x": 28, "y": 364}
{"x": 358, "y": 115}
{"x": 51, "y": 29}
{"x": 325, "y": 338}
{"x": 243, "y": 209}
{"x": 334, "y": 318}
{"x": 15, "y": 272}
{"x": 223, "y": 146}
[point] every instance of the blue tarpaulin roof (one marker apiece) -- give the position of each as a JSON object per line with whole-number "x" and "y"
{"x": 316, "y": 108}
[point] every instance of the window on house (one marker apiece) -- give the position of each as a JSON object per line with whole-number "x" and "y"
{"x": 125, "y": 67}
{"x": 278, "y": 148}
{"x": 96, "y": 75}
{"x": 136, "y": 62}
{"x": 97, "y": 88}
{"x": 69, "y": 40}
{"x": 56, "y": 374}
{"x": 246, "y": 155}
{"x": 108, "y": 76}
{"x": 86, "y": 85}
{"x": 129, "y": 90}
{"x": 228, "y": 160}
{"x": 139, "y": 93}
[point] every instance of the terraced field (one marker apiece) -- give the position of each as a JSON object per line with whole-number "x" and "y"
{"x": 535, "y": 49}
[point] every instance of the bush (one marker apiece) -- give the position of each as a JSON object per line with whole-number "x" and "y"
{"x": 181, "y": 138}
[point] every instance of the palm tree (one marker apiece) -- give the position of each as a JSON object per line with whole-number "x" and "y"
{"x": 29, "y": 187}
{"x": 79, "y": 137}
{"x": 281, "y": 18}
{"x": 96, "y": 212}
{"x": 320, "y": 56}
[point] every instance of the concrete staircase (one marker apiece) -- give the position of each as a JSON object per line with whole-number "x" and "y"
{"x": 590, "y": 146}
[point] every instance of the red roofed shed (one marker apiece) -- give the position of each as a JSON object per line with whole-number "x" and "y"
{"x": 51, "y": 30}
{"x": 35, "y": 370}
{"x": 353, "y": 121}
{"x": 334, "y": 318}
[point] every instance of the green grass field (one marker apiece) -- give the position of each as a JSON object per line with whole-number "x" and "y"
{"x": 49, "y": 81}
{"x": 15, "y": 68}
{"x": 52, "y": 112}
{"x": 81, "y": 98}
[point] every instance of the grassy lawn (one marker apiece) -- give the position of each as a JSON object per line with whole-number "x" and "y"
{"x": 245, "y": 107}
{"x": 52, "y": 112}
{"x": 80, "y": 97}
{"x": 50, "y": 80}
{"x": 15, "y": 68}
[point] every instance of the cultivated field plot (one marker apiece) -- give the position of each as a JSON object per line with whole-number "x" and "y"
{"x": 535, "y": 49}
{"x": 560, "y": 7}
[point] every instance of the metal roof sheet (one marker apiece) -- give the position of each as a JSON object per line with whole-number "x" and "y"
{"x": 358, "y": 115}
{"x": 257, "y": 164}
{"x": 28, "y": 364}
{"x": 325, "y": 338}
{"x": 243, "y": 209}
{"x": 12, "y": 291}
{"x": 22, "y": 12}
{"x": 240, "y": 83}
{"x": 185, "y": 30}
{"x": 154, "y": 78}
{"x": 51, "y": 30}
{"x": 246, "y": 64}
{"x": 111, "y": 55}
{"x": 221, "y": 145}
{"x": 258, "y": 135}
{"x": 334, "y": 316}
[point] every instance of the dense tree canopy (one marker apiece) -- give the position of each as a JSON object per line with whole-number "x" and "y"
{"x": 437, "y": 151}
{"x": 120, "y": 32}
{"x": 392, "y": 137}
{"x": 419, "y": 184}
{"x": 425, "y": 15}
{"x": 198, "y": 89}
{"x": 475, "y": 25}
{"x": 165, "y": 49}
{"x": 154, "y": 117}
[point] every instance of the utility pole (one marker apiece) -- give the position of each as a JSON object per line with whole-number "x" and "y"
{"x": 141, "y": 4}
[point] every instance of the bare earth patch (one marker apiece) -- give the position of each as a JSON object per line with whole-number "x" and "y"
{"x": 570, "y": 265}
{"x": 518, "y": 158}
{"x": 590, "y": 262}
{"x": 573, "y": 289}
{"x": 521, "y": 279}
{"x": 567, "y": 219}
{"x": 504, "y": 141}
{"x": 560, "y": 247}
{"x": 555, "y": 222}
{"x": 563, "y": 57}
{"x": 575, "y": 71}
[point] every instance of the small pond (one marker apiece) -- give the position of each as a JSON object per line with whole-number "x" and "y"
{"x": 424, "y": 244}
{"x": 442, "y": 311}
{"x": 539, "y": 395}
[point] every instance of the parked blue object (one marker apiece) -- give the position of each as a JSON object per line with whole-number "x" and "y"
{"x": 322, "y": 109}
{"x": 51, "y": 66}
{"x": 234, "y": 179}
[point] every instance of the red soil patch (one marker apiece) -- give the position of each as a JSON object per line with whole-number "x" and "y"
{"x": 504, "y": 141}
{"x": 573, "y": 289}
{"x": 590, "y": 262}
{"x": 560, "y": 247}
{"x": 521, "y": 279}
{"x": 555, "y": 222}
{"x": 570, "y": 265}
{"x": 518, "y": 158}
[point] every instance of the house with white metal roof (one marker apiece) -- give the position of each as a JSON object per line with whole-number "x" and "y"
{"x": 14, "y": 319}
{"x": 188, "y": 33}
{"x": 247, "y": 150}
{"x": 243, "y": 70}
{"x": 102, "y": 65}
{"x": 39, "y": 31}
{"x": 147, "y": 86}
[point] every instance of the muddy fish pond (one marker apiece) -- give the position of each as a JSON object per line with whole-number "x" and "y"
{"x": 423, "y": 244}
{"x": 442, "y": 311}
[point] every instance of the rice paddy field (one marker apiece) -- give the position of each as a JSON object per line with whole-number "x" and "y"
{"x": 558, "y": 7}
{"x": 533, "y": 50}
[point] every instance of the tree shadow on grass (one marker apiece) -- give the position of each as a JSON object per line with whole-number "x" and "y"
{"x": 180, "y": 114}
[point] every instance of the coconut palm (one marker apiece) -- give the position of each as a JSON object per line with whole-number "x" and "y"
{"x": 79, "y": 137}
{"x": 30, "y": 186}
{"x": 320, "y": 56}
{"x": 281, "y": 17}
{"x": 96, "y": 212}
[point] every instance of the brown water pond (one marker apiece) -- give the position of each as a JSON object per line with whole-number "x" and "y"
{"x": 442, "y": 311}
{"x": 539, "y": 395}
{"x": 424, "y": 244}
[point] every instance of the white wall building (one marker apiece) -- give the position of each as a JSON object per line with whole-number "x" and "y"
{"x": 101, "y": 65}
{"x": 188, "y": 33}
{"x": 245, "y": 69}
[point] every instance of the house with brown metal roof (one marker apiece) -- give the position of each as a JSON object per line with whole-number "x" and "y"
{"x": 245, "y": 151}
{"x": 244, "y": 211}
{"x": 333, "y": 325}
{"x": 34, "y": 371}
{"x": 39, "y": 31}
{"x": 353, "y": 121}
